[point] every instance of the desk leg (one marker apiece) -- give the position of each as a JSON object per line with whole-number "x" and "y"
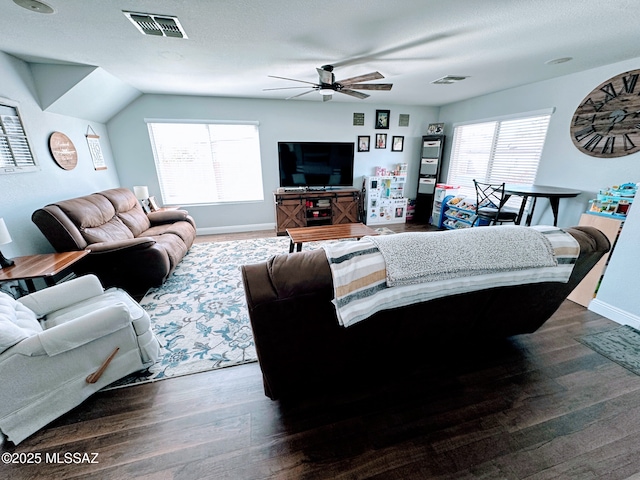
{"x": 521, "y": 211}
{"x": 530, "y": 214}
{"x": 555, "y": 204}
{"x": 299, "y": 247}
{"x": 291, "y": 244}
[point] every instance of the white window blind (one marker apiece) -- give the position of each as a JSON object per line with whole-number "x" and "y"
{"x": 15, "y": 152}
{"x": 497, "y": 151}
{"x": 201, "y": 163}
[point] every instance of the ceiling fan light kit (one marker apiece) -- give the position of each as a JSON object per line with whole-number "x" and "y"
{"x": 35, "y": 6}
{"x": 327, "y": 84}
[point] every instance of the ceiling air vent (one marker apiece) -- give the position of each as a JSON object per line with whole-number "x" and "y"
{"x": 158, "y": 25}
{"x": 449, "y": 79}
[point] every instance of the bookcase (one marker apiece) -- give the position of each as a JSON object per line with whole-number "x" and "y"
{"x": 384, "y": 200}
{"x": 307, "y": 208}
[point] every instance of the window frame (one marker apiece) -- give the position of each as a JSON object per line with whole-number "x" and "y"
{"x": 468, "y": 189}
{"x": 258, "y": 176}
{"x": 13, "y": 165}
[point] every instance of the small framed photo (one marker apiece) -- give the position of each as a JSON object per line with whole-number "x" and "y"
{"x": 435, "y": 128}
{"x": 153, "y": 205}
{"x": 381, "y": 140}
{"x": 363, "y": 143}
{"x": 382, "y": 118}
{"x": 397, "y": 144}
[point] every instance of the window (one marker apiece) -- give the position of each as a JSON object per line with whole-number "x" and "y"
{"x": 497, "y": 151}
{"x": 16, "y": 155}
{"x": 203, "y": 163}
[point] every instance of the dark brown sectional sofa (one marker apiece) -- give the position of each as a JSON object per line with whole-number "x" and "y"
{"x": 301, "y": 347}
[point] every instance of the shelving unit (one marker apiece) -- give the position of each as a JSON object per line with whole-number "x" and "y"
{"x": 430, "y": 160}
{"x": 384, "y": 200}
{"x": 309, "y": 208}
{"x": 458, "y": 212}
{"x": 588, "y": 287}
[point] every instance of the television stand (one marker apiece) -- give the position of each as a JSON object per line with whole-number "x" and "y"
{"x": 310, "y": 208}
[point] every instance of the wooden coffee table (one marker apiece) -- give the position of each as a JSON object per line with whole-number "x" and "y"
{"x": 327, "y": 232}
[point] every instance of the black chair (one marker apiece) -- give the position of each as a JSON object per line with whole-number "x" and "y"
{"x": 490, "y": 204}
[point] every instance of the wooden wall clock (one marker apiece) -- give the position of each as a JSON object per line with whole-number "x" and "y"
{"x": 607, "y": 122}
{"x": 63, "y": 151}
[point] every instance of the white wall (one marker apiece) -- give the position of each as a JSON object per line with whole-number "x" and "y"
{"x": 21, "y": 194}
{"x": 618, "y": 297}
{"x": 562, "y": 164}
{"x": 280, "y": 120}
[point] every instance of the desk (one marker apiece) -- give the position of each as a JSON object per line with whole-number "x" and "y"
{"x": 554, "y": 194}
{"x": 40, "y": 266}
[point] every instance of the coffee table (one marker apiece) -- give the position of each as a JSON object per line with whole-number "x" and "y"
{"x": 327, "y": 232}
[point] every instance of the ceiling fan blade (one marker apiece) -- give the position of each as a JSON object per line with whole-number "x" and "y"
{"x": 281, "y": 88}
{"x": 371, "y": 86}
{"x": 299, "y": 95}
{"x": 325, "y": 76}
{"x": 292, "y": 79}
{"x": 353, "y": 93}
{"x": 326, "y": 98}
{"x": 362, "y": 78}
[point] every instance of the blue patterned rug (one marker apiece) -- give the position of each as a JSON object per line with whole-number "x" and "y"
{"x": 200, "y": 315}
{"x": 620, "y": 345}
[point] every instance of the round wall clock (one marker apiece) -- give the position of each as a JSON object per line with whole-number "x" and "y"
{"x": 63, "y": 151}
{"x": 607, "y": 122}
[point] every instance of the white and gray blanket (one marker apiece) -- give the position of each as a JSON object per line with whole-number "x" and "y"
{"x": 360, "y": 277}
{"x": 423, "y": 257}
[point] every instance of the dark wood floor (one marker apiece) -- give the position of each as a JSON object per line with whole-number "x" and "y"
{"x": 538, "y": 406}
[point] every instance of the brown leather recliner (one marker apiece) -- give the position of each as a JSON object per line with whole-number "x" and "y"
{"x": 129, "y": 249}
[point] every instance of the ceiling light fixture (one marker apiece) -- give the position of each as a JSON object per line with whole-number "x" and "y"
{"x": 34, "y": 6}
{"x": 325, "y": 91}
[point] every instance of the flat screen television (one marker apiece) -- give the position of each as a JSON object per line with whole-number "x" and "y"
{"x": 316, "y": 164}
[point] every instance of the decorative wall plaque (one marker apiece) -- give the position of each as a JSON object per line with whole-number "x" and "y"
{"x": 63, "y": 151}
{"x": 93, "y": 141}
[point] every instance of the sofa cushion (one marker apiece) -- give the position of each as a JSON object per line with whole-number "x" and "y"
{"x": 110, "y": 231}
{"x": 184, "y": 230}
{"x": 17, "y": 322}
{"x": 128, "y": 209}
{"x": 88, "y": 211}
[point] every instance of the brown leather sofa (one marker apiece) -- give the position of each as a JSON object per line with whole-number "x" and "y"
{"x": 129, "y": 248}
{"x": 302, "y": 348}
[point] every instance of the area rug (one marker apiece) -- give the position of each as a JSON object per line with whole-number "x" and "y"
{"x": 620, "y": 345}
{"x": 200, "y": 315}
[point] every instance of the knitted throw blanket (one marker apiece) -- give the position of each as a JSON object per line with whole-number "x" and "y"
{"x": 422, "y": 257}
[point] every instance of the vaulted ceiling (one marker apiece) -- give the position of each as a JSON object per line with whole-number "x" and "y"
{"x": 232, "y": 46}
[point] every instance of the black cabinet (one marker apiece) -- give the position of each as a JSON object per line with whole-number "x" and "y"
{"x": 430, "y": 160}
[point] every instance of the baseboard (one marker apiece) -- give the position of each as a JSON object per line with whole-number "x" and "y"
{"x": 614, "y": 313}
{"x": 236, "y": 229}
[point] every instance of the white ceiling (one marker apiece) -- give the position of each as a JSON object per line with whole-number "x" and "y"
{"x": 234, "y": 45}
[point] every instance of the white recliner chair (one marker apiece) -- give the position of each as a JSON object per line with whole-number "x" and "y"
{"x": 60, "y": 345}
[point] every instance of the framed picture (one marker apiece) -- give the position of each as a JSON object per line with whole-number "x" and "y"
{"x": 397, "y": 144}
{"x": 381, "y": 140}
{"x": 435, "y": 128}
{"x": 153, "y": 205}
{"x": 382, "y": 118}
{"x": 363, "y": 143}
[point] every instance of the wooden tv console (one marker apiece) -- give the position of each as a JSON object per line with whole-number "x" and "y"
{"x": 306, "y": 208}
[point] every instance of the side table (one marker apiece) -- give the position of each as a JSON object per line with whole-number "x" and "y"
{"x": 45, "y": 266}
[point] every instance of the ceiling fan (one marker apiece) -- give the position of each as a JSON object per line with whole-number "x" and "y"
{"x": 327, "y": 84}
